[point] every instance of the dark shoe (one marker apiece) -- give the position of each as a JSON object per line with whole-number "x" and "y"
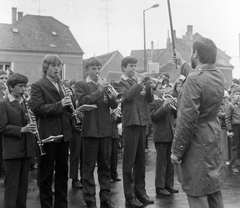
{"x": 162, "y": 192}
{"x": 145, "y": 199}
{"x": 115, "y": 180}
{"x": 172, "y": 190}
{"x": 91, "y": 205}
{"x": 133, "y": 202}
{"x": 107, "y": 204}
{"x": 33, "y": 167}
{"x": 76, "y": 184}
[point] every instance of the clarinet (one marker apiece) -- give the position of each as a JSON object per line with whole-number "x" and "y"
{"x": 32, "y": 119}
{"x": 76, "y": 120}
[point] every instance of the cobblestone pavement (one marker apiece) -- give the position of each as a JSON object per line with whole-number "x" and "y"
{"x": 230, "y": 191}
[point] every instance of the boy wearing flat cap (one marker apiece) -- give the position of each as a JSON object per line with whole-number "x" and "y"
{"x": 18, "y": 142}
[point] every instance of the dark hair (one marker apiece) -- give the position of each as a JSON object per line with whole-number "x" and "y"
{"x": 3, "y": 72}
{"x": 236, "y": 81}
{"x": 48, "y": 60}
{"x": 166, "y": 74}
{"x": 92, "y": 62}
{"x": 72, "y": 82}
{"x": 206, "y": 50}
{"x": 128, "y": 60}
{"x": 15, "y": 79}
{"x": 175, "y": 93}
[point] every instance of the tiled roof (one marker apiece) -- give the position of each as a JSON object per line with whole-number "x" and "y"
{"x": 35, "y": 34}
{"x": 104, "y": 58}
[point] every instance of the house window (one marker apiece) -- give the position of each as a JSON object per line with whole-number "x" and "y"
{"x": 5, "y": 66}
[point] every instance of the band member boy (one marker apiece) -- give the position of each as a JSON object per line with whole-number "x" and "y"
{"x": 135, "y": 118}
{"x": 51, "y": 108}
{"x": 96, "y": 132}
{"x": 18, "y": 142}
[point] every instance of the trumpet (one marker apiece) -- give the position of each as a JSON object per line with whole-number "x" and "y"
{"x": 173, "y": 102}
{"x": 111, "y": 92}
{"x": 163, "y": 82}
{"x": 32, "y": 119}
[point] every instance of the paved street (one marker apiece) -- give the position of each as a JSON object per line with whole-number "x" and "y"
{"x": 230, "y": 191}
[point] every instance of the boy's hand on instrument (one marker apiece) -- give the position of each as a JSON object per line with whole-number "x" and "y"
{"x": 66, "y": 101}
{"x": 230, "y": 133}
{"x": 29, "y": 128}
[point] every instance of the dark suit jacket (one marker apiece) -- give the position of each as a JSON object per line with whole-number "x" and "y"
{"x": 135, "y": 105}
{"x": 97, "y": 122}
{"x": 163, "y": 122}
{"x": 15, "y": 144}
{"x": 46, "y": 104}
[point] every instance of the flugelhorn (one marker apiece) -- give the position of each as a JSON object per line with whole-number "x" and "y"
{"x": 173, "y": 102}
{"x": 164, "y": 82}
{"x": 111, "y": 92}
{"x": 32, "y": 119}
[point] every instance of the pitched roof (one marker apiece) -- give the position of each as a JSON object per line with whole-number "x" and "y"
{"x": 105, "y": 58}
{"x": 40, "y": 34}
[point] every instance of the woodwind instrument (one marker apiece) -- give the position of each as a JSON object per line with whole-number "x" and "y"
{"x": 76, "y": 121}
{"x": 32, "y": 119}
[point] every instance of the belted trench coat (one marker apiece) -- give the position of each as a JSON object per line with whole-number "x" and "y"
{"x": 197, "y": 135}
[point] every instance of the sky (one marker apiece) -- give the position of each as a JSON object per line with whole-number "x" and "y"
{"x": 102, "y": 26}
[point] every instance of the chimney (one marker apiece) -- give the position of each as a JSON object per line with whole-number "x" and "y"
{"x": 20, "y": 15}
{"x": 14, "y": 15}
{"x": 190, "y": 32}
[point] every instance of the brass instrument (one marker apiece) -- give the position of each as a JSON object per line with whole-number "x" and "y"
{"x": 173, "y": 103}
{"x": 111, "y": 92}
{"x": 32, "y": 119}
{"x": 76, "y": 120}
{"x": 164, "y": 82}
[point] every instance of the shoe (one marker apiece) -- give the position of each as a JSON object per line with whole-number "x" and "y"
{"x": 133, "y": 202}
{"x": 107, "y": 204}
{"x": 77, "y": 184}
{"x": 235, "y": 170}
{"x": 33, "y": 167}
{"x": 115, "y": 180}
{"x": 172, "y": 190}
{"x": 162, "y": 192}
{"x": 91, "y": 205}
{"x": 145, "y": 199}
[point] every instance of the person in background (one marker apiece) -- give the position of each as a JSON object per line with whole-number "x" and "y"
{"x": 75, "y": 142}
{"x": 96, "y": 132}
{"x": 163, "y": 118}
{"x": 177, "y": 88}
{"x": 3, "y": 92}
{"x": 232, "y": 118}
{"x": 198, "y": 129}
{"x": 52, "y": 109}
{"x": 18, "y": 142}
{"x": 135, "y": 118}
{"x": 114, "y": 147}
{"x": 235, "y": 81}
{"x": 221, "y": 116}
